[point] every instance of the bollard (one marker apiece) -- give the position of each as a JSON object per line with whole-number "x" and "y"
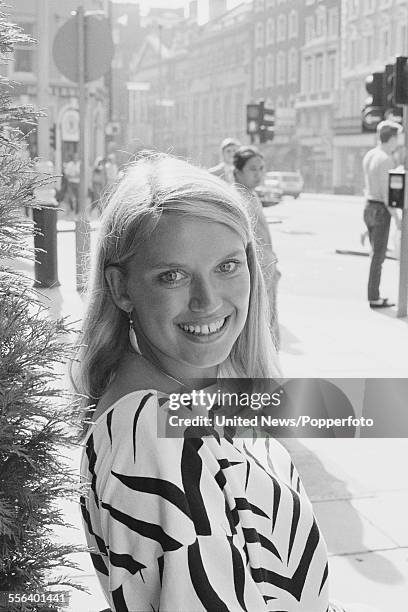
{"x": 45, "y": 238}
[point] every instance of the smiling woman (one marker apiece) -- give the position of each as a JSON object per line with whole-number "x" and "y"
{"x": 204, "y": 523}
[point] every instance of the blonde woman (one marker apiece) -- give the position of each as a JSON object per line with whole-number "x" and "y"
{"x": 185, "y": 524}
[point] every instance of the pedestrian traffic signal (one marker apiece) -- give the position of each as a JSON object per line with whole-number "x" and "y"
{"x": 253, "y": 118}
{"x": 401, "y": 81}
{"x": 53, "y": 141}
{"x": 373, "y": 111}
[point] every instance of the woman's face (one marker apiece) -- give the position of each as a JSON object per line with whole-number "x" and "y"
{"x": 252, "y": 174}
{"x": 189, "y": 287}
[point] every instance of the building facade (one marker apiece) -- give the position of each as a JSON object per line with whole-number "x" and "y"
{"x": 319, "y": 87}
{"x": 277, "y": 37}
{"x": 42, "y": 23}
{"x": 187, "y": 96}
{"x": 373, "y": 32}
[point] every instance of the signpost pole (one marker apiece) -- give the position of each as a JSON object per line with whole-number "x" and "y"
{"x": 45, "y": 219}
{"x": 403, "y": 271}
{"x": 82, "y": 225}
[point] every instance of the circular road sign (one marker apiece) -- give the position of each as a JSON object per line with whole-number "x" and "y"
{"x": 98, "y": 48}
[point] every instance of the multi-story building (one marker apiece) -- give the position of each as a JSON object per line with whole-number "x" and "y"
{"x": 188, "y": 96}
{"x": 62, "y": 94}
{"x": 277, "y": 39}
{"x": 373, "y": 32}
{"x": 319, "y": 85}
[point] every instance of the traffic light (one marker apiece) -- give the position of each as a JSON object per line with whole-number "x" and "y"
{"x": 389, "y": 80}
{"x": 391, "y": 110}
{"x": 267, "y": 123}
{"x": 53, "y": 141}
{"x": 401, "y": 81}
{"x": 373, "y": 111}
{"x": 253, "y": 118}
{"x": 374, "y": 85}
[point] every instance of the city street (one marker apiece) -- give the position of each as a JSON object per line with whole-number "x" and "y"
{"x": 327, "y": 331}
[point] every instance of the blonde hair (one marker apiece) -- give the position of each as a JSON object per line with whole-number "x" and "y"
{"x": 152, "y": 185}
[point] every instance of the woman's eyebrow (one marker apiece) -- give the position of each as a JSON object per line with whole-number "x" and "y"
{"x": 167, "y": 264}
{"x": 175, "y": 264}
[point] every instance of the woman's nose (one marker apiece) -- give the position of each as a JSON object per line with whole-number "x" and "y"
{"x": 204, "y": 296}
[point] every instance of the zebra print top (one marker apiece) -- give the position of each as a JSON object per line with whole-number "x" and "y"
{"x": 196, "y": 524}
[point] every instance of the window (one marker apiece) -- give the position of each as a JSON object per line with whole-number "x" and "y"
{"x": 227, "y": 109}
{"x": 293, "y": 24}
{"x": 259, "y": 70}
{"x": 270, "y": 31}
{"x": 309, "y": 29}
{"x": 332, "y": 71}
{"x": 281, "y": 27}
{"x": 369, "y": 6}
{"x": 385, "y": 43}
{"x": 403, "y": 34}
{"x": 333, "y": 22}
{"x": 353, "y": 52}
{"x": 308, "y": 75}
{"x": 353, "y": 7}
{"x": 321, "y": 21}
{"x": 269, "y": 70}
{"x": 259, "y": 35}
{"x": 319, "y": 73}
{"x": 292, "y": 66}
{"x": 369, "y": 48}
{"x": 24, "y": 54}
{"x": 281, "y": 68}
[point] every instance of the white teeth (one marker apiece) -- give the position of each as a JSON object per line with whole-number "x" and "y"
{"x": 203, "y": 330}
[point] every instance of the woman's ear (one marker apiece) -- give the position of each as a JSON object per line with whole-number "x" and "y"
{"x": 116, "y": 279}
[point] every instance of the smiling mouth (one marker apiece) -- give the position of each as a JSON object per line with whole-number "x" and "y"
{"x": 210, "y": 329}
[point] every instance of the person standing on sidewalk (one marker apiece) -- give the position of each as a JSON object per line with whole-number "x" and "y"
{"x": 249, "y": 171}
{"x": 377, "y": 214}
{"x": 225, "y": 169}
{"x": 198, "y": 521}
{"x": 72, "y": 172}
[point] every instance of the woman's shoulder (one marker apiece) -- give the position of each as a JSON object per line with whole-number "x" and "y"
{"x": 132, "y": 378}
{"x": 118, "y": 402}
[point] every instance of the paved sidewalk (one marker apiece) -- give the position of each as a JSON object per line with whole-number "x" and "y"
{"x": 357, "y": 488}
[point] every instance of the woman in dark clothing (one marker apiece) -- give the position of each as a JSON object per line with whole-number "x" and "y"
{"x": 249, "y": 170}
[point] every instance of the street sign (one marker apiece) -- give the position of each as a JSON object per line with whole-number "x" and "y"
{"x": 371, "y": 117}
{"x": 98, "y": 48}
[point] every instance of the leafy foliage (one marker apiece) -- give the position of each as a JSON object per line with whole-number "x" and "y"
{"x": 37, "y": 417}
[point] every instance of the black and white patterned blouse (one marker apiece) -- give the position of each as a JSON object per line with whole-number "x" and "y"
{"x": 197, "y": 524}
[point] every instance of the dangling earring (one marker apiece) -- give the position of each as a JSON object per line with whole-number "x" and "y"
{"x": 132, "y": 335}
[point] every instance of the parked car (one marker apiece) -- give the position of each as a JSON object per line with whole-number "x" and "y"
{"x": 270, "y": 193}
{"x": 291, "y": 183}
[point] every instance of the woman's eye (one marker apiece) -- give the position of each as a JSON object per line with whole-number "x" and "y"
{"x": 229, "y": 266}
{"x": 172, "y": 276}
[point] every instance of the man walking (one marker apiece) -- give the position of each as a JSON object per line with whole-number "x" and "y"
{"x": 225, "y": 169}
{"x": 377, "y": 214}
